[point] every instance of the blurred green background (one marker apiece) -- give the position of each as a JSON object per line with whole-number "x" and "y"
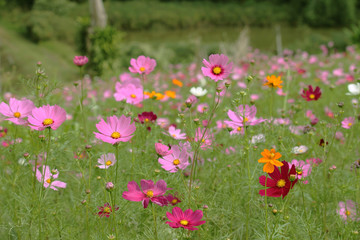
{"x": 172, "y": 31}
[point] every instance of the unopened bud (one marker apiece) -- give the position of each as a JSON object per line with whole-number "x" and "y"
{"x": 292, "y": 177}
{"x": 274, "y": 211}
{"x": 87, "y": 191}
{"x": 26, "y": 155}
{"x": 88, "y": 146}
{"x": 98, "y": 177}
{"x": 340, "y": 104}
{"x": 109, "y": 186}
{"x": 227, "y": 84}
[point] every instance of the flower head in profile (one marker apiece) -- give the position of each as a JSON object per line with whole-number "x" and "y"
{"x": 80, "y": 60}
{"x": 354, "y": 89}
{"x": 176, "y": 133}
{"x": 302, "y": 168}
{"x": 310, "y": 94}
{"x": 299, "y": 150}
{"x": 115, "y": 130}
{"x": 244, "y": 116}
{"x": 273, "y": 81}
{"x": 217, "y": 68}
{"x": 148, "y": 192}
{"x": 279, "y": 183}
{"x": 47, "y": 117}
{"x": 162, "y": 150}
{"x": 106, "y": 161}
{"x": 173, "y": 199}
{"x": 17, "y": 110}
{"x": 198, "y": 91}
{"x": 178, "y": 159}
{"x": 147, "y": 117}
{"x": 348, "y": 122}
{"x": 348, "y": 211}
{"x": 142, "y": 65}
{"x": 204, "y": 137}
{"x": 188, "y": 219}
{"x": 48, "y": 177}
{"x": 106, "y": 210}
{"x": 270, "y": 160}
{"x": 131, "y": 93}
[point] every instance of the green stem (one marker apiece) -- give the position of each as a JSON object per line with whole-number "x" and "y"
{"x": 304, "y": 208}
{"x": 266, "y": 211}
{"x": 154, "y": 216}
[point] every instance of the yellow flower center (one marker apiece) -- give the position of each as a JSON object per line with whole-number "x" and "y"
{"x": 349, "y": 124}
{"x": 184, "y": 222}
{"x": 246, "y": 119}
{"x": 299, "y": 172}
{"x": 147, "y": 120}
{"x": 216, "y": 70}
{"x": 272, "y": 155}
{"x": 176, "y": 162}
{"x": 203, "y": 140}
{"x": 17, "y": 114}
{"x": 133, "y": 96}
{"x": 150, "y": 193}
{"x": 115, "y": 135}
{"x": 312, "y": 96}
{"x": 174, "y": 201}
{"x": 174, "y": 135}
{"x": 48, "y": 180}
{"x": 106, "y": 210}
{"x": 48, "y": 121}
{"x": 108, "y": 163}
{"x": 239, "y": 129}
{"x": 347, "y": 212}
{"x": 281, "y": 183}
{"x": 142, "y": 69}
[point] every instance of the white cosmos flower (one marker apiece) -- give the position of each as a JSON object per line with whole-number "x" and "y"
{"x": 198, "y": 91}
{"x": 258, "y": 139}
{"x": 300, "y": 149}
{"x": 354, "y": 89}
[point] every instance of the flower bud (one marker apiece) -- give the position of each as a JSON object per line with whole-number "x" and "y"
{"x": 292, "y": 177}
{"x": 274, "y": 211}
{"x": 109, "y": 186}
{"x": 87, "y": 191}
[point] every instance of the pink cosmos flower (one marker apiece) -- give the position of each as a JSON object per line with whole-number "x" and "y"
{"x": 80, "y": 60}
{"x": 142, "y": 65}
{"x": 17, "y": 110}
{"x": 244, "y": 116}
{"x": 130, "y": 93}
{"x": 188, "y": 219}
{"x": 149, "y": 192}
{"x": 115, "y": 130}
{"x": 106, "y": 161}
{"x": 106, "y": 210}
{"x": 47, "y": 117}
{"x": 217, "y": 68}
{"x": 348, "y": 122}
{"x": 162, "y": 122}
{"x": 162, "y": 150}
{"x": 178, "y": 159}
{"x": 48, "y": 177}
{"x": 314, "y": 161}
{"x": 172, "y": 199}
{"x": 202, "y": 108}
{"x": 204, "y": 137}
{"x": 176, "y": 133}
{"x": 348, "y": 210}
{"x": 302, "y": 169}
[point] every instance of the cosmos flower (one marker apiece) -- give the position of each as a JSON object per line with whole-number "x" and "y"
{"x": 270, "y": 160}
{"x": 48, "y": 178}
{"x": 302, "y": 169}
{"x": 172, "y": 199}
{"x": 348, "y": 122}
{"x": 299, "y": 150}
{"x": 162, "y": 150}
{"x": 258, "y": 139}
{"x": 175, "y": 133}
{"x": 106, "y": 210}
{"x": 310, "y": 94}
{"x": 149, "y": 192}
{"x": 354, "y": 89}
{"x": 80, "y": 60}
{"x": 279, "y": 184}
{"x": 217, "y": 68}
{"x": 106, "y": 161}
{"x": 188, "y": 219}
{"x": 177, "y": 82}
{"x": 17, "y": 110}
{"x": 132, "y": 94}
{"x": 115, "y": 130}
{"x": 204, "y": 137}
{"x": 46, "y": 117}
{"x": 178, "y": 159}
{"x": 147, "y": 117}
{"x": 273, "y": 81}
{"x": 244, "y": 116}
{"x": 348, "y": 210}
{"x": 198, "y": 91}
{"x": 142, "y": 65}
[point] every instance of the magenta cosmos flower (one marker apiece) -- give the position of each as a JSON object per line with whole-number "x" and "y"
{"x": 176, "y": 133}
{"x": 149, "y": 192}
{"x": 17, "y": 110}
{"x": 188, "y": 219}
{"x": 178, "y": 159}
{"x": 142, "y": 65}
{"x": 46, "y": 117}
{"x": 115, "y": 130}
{"x": 80, "y": 60}
{"x": 48, "y": 177}
{"x": 217, "y": 68}
{"x": 204, "y": 137}
{"x": 348, "y": 122}
{"x": 106, "y": 161}
{"x": 244, "y": 116}
{"x": 130, "y": 93}
{"x": 348, "y": 210}
{"x": 162, "y": 150}
{"x": 106, "y": 210}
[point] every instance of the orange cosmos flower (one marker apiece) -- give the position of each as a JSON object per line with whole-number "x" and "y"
{"x": 273, "y": 81}
{"x": 154, "y": 95}
{"x": 270, "y": 159}
{"x": 177, "y": 82}
{"x": 170, "y": 94}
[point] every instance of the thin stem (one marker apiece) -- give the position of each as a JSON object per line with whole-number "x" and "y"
{"x": 154, "y": 216}
{"x": 304, "y": 208}
{"x": 266, "y": 211}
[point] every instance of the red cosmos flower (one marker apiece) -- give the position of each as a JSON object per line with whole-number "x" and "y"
{"x": 172, "y": 199}
{"x": 147, "y": 117}
{"x": 279, "y": 184}
{"x": 106, "y": 210}
{"x": 188, "y": 219}
{"x": 311, "y": 94}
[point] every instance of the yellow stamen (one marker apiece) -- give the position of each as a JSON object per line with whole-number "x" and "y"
{"x": 142, "y": 69}
{"x": 312, "y": 96}
{"x": 246, "y": 119}
{"x": 347, "y": 212}
{"x": 216, "y": 70}
{"x": 272, "y": 155}
{"x": 176, "y": 162}
{"x": 184, "y": 222}
{"x": 146, "y": 120}
{"x": 133, "y": 96}
{"x": 299, "y": 172}
{"x": 48, "y": 121}
{"x": 238, "y": 129}
{"x": 174, "y": 201}
{"x": 281, "y": 183}
{"x": 108, "y": 163}
{"x": 349, "y": 124}
{"x": 174, "y": 135}
{"x": 48, "y": 180}
{"x": 106, "y": 210}
{"x": 17, "y": 114}
{"x": 150, "y": 193}
{"x": 203, "y": 140}
{"x": 115, "y": 135}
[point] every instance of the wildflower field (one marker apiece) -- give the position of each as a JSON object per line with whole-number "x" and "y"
{"x": 261, "y": 148}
